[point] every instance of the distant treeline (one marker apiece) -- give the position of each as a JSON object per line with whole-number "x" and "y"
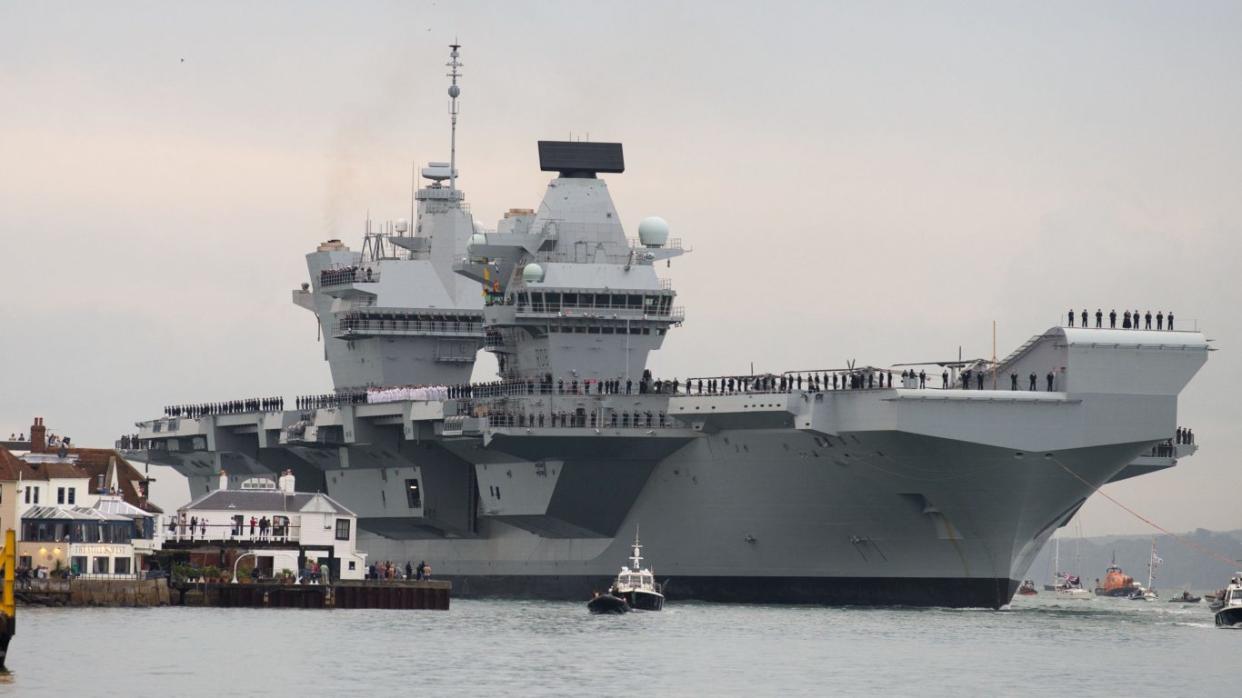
{"x": 1182, "y": 566}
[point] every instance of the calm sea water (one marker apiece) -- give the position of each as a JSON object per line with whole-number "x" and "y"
{"x": 1101, "y": 647}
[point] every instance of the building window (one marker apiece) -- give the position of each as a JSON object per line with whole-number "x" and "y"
{"x": 101, "y": 565}
{"x": 60, "y": 495}
{"x": 73, "y": 495}
{"x": 342, "y": 529}
{"x": 77, "y": 563}
{"x": 352, "y": 566}
{"x": 121, "y": 565}
{"x": 413, "y": 494}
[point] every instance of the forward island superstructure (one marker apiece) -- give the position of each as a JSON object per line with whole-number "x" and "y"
{"x": 822, "y": 486}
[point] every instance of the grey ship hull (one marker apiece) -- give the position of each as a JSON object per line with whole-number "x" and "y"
{"x": 894, "y": 496}
{"x": 775, "y": 516}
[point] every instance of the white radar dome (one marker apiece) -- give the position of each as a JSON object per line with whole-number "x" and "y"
{"x": 478, "y": 239}
{"x": 402, "y": 226}
{"x": 653, "y": 231}
{"x": 532, "y": 273}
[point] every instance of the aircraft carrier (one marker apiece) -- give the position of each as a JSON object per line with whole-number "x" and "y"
{"x": 829, "y": 486}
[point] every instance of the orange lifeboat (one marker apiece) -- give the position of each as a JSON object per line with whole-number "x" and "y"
{"x": 1116, "y": 583}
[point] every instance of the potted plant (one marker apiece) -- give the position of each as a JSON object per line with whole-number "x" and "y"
{"x": 286, "y": 576}
{"x": 211, "y": 573}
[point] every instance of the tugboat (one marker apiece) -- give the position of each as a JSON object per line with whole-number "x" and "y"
{"x": 1027, "y": 588}
{"x": 634, "y": 587}
{"x": 1230, "y": 613}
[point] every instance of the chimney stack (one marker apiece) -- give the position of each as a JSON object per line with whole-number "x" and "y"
{"x": 224, "y": 480}
{"x": 38, "y": 436}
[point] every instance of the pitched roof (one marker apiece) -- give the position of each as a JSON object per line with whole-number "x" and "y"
{"x": 129, "y": 481}
{"x": 262, "y": 500}
{"x": 10, "y": 465}
{"x": 13, "y": 467}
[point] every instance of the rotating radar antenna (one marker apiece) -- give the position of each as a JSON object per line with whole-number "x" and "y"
{"x": 453, "y": 92}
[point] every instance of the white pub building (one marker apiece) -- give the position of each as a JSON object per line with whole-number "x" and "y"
{"x": 281, "y": 528}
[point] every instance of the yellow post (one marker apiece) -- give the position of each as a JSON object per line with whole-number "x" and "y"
{"x": 8, "y": 604}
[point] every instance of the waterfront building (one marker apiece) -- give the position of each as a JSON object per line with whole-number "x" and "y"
{"x": 84, "y": 540}
{"x": 282, "y": 529}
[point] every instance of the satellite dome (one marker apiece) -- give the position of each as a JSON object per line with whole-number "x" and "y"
{"x": 454, "y": 91}
{"x": 532, "y": 273}
{"x": 653, "y": 231}
{"x": 478, "y": 239}
{"x": 402, "y": 226}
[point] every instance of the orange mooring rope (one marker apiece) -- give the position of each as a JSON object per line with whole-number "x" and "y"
{"x": 1190, "y": 544}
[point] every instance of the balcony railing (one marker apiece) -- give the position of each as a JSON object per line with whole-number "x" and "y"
{"x": 401, "y": 324}
{"x": 341, "y": 276}
{"x": 176, "y": 531}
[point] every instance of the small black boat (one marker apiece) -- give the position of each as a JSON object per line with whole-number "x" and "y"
{"x": 1186, "y": 597}
{"x": 607, "y": 603}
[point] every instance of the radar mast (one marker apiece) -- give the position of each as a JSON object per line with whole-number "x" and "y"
{"x": 453, "y": 91}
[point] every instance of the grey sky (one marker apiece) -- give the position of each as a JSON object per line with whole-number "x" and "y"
{"x": 875, "y": 181}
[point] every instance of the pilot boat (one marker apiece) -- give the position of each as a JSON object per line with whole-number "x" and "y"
{"x": 636, "y": 584}
{"x": 1230, "y": 613}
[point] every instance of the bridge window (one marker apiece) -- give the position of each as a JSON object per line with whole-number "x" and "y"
{"x": 413, "y": 495}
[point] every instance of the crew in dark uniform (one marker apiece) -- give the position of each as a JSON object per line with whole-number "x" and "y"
{"x": 1160, "y": 319}
{"x": 1112, "y": 318}
{"x": 1170, "y": 320}
{"x": 1032, "y": 381}
{"x": 944, "y": 379}
{"x": 1125, "y": 321}
{"x": 1084, "y": 317}
{"x": 1050, "y": 379}
{"x": 1013, "y": 381}
{"x": 1147, "y": 318}
{"x": 979, "y": 379}
{"x": 1071, "y": 317}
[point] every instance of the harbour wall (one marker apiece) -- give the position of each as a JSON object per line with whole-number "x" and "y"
{"x": 136, "y": 593}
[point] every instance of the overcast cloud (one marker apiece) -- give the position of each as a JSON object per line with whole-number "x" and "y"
{"x": 875, "y": 181}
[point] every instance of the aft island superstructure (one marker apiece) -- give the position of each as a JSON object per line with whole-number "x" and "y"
{"x": 773, "y": 487}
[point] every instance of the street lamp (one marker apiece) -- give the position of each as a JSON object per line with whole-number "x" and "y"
{"x": 238, "y": 561}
